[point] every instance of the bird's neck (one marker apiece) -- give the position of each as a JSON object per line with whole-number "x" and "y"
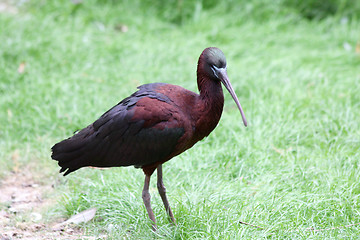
{"x": 211, "y": 103}
{"x": 211, "y": 94}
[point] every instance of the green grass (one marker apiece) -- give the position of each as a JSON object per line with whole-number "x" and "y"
{"x": 295, "y": 167}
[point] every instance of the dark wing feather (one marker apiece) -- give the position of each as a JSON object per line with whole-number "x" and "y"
{"x": 122, "y": 137}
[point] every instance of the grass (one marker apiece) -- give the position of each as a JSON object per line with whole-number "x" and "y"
{"x": 295, "y": 167}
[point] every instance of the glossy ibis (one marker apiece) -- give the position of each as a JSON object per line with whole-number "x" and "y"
{"x": 150, "y": 127}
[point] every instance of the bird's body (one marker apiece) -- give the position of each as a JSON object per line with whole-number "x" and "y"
{"x": 150, "y": 127}
{"x": 145, "y": 130}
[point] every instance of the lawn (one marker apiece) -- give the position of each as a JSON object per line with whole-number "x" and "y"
{"x": 294, "y": 168}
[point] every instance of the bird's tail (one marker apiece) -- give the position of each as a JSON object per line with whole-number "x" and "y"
{"x": 75, "y": 152}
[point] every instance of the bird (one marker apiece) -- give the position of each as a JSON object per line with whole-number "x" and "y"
{"x": 156, "y": 123}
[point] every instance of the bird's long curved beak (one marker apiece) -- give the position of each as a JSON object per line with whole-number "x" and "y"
{"x": 222, "y": 74}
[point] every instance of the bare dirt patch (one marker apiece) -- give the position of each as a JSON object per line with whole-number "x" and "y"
{"x": 22, "y": 204}
{"x": 8, "y": 6}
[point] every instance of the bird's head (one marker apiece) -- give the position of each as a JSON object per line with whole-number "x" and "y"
{"x": 214, "y": 66}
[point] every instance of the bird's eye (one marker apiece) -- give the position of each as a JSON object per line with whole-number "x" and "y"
{"x": 215, "y": 70}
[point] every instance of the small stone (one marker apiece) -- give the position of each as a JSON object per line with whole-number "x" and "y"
{"x": 13, "y": 210}
{"x": 35, "y": 217}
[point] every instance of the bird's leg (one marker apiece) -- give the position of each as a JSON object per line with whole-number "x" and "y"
{"x": 146, "y": 198}
{"x": 162, "y": 192}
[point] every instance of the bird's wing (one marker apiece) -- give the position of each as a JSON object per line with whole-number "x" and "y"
{"x": 140, "y": 130}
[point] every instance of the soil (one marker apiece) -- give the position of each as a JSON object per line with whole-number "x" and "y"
{"x": 23, "y": 200}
